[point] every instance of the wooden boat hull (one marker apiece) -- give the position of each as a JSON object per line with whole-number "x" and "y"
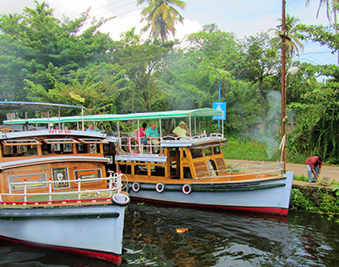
{"x": 269, "y": 196}
{"x": 94, "y": 231}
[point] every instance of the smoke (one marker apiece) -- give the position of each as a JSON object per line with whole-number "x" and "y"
{"x": 268, "y": 131}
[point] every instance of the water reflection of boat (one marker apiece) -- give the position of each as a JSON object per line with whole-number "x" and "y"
{"x": 191, "y": 171}
{"x": 54, "y": 191}
{"x": 212, "y": 238}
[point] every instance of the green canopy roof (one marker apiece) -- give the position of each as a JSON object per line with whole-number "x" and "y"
{"x": 204, "y": 112}
{"x": 29, "y": 106}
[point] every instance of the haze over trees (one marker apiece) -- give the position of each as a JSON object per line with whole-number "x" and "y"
{"x": 46, "y": 59}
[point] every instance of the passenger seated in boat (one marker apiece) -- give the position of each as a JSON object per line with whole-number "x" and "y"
{"x": 108, "y": 131}
{"x": 152, "y": 134}
{"x": 181, "y": 130}
{"x": 141, "y": 133}
{"x": 44, "y": 149}
{"x": 31, "y": 151}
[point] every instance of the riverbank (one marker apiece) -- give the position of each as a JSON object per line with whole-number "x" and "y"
{"x": 332, "y": 172}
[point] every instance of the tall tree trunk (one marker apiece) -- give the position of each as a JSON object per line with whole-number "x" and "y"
{"x": 336, "y": 25}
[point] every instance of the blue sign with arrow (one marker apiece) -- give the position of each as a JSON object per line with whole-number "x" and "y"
{"x": 221, "y": 106}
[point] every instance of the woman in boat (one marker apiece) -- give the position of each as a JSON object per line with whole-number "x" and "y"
{"x": 141, "y": 133}
{"x": 108, "y": 131}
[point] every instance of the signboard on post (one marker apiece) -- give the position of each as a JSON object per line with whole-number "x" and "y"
{"x": 221, "y": 106}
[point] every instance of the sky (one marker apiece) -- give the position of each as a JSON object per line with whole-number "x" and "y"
{"x": 242, "y": 17}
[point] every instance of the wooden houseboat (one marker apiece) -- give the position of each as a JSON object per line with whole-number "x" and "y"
{"x": 191, "y": 171}
{"x": 54, "y": 191}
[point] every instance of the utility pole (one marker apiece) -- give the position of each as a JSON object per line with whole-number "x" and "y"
{"x": 283, "y": 82}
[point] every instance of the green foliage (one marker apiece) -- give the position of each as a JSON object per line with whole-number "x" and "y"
{"x": 245, "y": 149}
{"x": 336, "y": 189}
{"x": 300, "y": 201}
{"x": 327, "y": 204}
{"x": 302, "y": 178}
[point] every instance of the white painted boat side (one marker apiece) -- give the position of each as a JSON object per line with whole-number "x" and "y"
{"x": 94, "y": 233}
{"x": 275, "y": 197}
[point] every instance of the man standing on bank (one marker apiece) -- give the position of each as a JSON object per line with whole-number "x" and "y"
{"x": 313, "y": 165}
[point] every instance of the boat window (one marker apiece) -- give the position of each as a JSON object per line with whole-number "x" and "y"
{"x": 216, "y": 150}
{"x": 125, "y": 168}
{"x": 196, "y": 153}
{"x": 173, "y": 168}
{"x": 208, "y": 151}
{"x": 173, "y": 151}
{"x": 157, "y": 170}
{"x": 31, "y": 151}
{"x": 212, "y": 168}
{"x": 93, "y": 148}
{"x": 22, "y": 150}
{"x": 187, "y": 173}
{"x": 82, "y": 148}
{"x": 141, "y": 169}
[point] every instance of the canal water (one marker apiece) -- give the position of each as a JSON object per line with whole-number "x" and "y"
{"x": 207, "y": 238}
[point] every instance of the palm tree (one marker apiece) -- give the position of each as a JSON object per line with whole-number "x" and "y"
{"x": 331, "y": 6}
{"x": 292, "y": 42}
{"x": 161, "y": 16}
{"x": 129, "y": 37}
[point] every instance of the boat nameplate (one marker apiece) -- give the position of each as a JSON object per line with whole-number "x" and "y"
{"x": 39, "y": 180}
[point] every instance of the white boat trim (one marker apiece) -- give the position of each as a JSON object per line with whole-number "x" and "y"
{"x": 46, "y": 159}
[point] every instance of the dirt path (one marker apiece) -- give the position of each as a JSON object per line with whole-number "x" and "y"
{"x": 299, "y": 169}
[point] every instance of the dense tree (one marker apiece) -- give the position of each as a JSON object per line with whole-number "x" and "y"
{"x": 260, "y": 63}
{"x": 161, "y": 17}
{"x": 141, "y": 63}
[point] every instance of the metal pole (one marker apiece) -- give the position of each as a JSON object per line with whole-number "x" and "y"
{"x": 82, "y": 119}
{"x": 219, "y": 92}
{"x": 283, "y": 81}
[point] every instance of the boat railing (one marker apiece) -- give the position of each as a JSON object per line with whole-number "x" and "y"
{"x": 273, "y": 170}
{"x": 114, "y": 184}
{"x": 137, "y": 145}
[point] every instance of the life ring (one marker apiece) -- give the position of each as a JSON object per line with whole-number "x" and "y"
{"x": 160, "y": 187}
{"x": 186, "y": 189}
{"x": 136, "y": 187}
{"x": 120, "y": 199}
{"x": 130, "y": 146}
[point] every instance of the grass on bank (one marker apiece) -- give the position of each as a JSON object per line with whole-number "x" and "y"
{"x": 245, "y": 148}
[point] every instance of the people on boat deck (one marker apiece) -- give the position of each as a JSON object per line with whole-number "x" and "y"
{"x": 101, "y": 128}
{"x": 313, "y": 165}
{"x": 90, "y": 128}
{"x": 44, "y": 149}
{"x": 141, "y": 133}
{"x": 152, "y": 134}
{"x": 181, "y": 130}
{"x": 108, "y": 131}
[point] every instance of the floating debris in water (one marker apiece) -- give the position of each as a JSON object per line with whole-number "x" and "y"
{"x": 181, "y": 230}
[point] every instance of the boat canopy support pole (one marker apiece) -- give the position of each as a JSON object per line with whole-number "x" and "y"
{"x": 189, "y": 119}
{"x": 82, "y": 119}
{"x": 160, "y": 128}
{"x": 222, "y": 125}
{"x": 49, "y": 127}
{"x": 118, "y": 132}
{"x": 195, "y": 125}
{"x": 59, "y": 118}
